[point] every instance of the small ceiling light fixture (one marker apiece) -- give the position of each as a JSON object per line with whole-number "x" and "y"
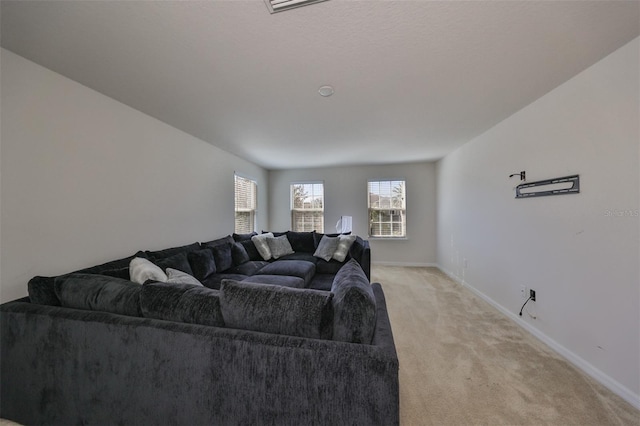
{"x": 280, "y": 5}
{"x": 326, "y": 91}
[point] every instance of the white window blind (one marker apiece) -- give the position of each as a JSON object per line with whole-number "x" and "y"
{"x": 245, "y": 204}
{"x": 387, "y": 208}
{"x": 307, "y": 207}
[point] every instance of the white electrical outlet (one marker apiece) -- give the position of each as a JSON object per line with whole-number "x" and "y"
{"x": 523, "y": 292}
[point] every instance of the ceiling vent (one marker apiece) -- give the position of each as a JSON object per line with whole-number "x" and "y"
{"x": 280, "y": 5}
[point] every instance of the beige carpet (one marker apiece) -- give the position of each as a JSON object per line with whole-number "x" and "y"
{"x": 462, "y": 362}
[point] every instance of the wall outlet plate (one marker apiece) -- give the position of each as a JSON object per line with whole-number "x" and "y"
{"x": 523, "y": 292}
{"x": 532, "y": 295}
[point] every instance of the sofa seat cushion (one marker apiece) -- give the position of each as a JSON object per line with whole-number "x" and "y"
{"x": 283, "y": 280}
{"x": 308, "y": 257}
{"x": 276, "y": 309}
{"x": 188, "y": 303}
{"x": 249, "y": 268}
{"x": 354, "y": 305}
{"x": 330, "y": 267}
{"x": 214, "y": 280}
{"x": 322, "y": 282}
{"x": 294, "y": 268}
{"x": 99, "y": 293}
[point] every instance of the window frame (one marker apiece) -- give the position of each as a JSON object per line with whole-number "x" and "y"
{"x": 400, "y": 210}
{"x": 294, "y": 212}
{"x": 253, "y": 212}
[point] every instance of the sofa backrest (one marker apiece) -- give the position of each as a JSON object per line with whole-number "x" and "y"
{"x": 354, "y": 305}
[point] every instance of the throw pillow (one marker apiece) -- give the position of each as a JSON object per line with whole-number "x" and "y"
{"x": 276, "y": 309}
{"x": 239, "y": 254}
{"x": 260, "y": 241}
{"x": 177, "y": 261}
{"x": 178, "y": 277}
{"x": 354, "y": 305}
{"x": 202, "y": 264}
{"x": 219, "y": 241}
{"x": 222, "y": 256}
{"x": 243, "y": 237}
{"x": 279, "y": 246}
{"x": 141, "y": 270}
{"x": 251, "y": 249}
{"x": 326, "y": 248}
{"x": 344, "y": 244}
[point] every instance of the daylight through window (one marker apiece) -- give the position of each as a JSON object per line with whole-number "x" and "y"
{"x": 307, "y": 207}
{"x": 387, "y": 208}
{"x": 246, "y": 200}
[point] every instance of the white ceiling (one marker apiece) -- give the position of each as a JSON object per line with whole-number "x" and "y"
{"x": 413, "y": 79}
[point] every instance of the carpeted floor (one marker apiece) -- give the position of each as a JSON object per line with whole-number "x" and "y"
{"x": 462, "y": 362}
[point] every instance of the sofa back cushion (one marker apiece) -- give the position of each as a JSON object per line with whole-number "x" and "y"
{"x": 42, "y": 291}
{"x": 176, "y": 261}
{"x": 302, "y": 241}
{"x": 161, "y": 254}
{"x": 188, "y": 303}
{"x": 251, "y": 249}
{"x": 202, "y": 263}
{"x": 99, "y": 293}
{"x": 223, "y": 256}
{"x": 354, "y": 305}
{"x": 276, "y": 309}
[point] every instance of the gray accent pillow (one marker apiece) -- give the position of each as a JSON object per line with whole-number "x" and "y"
{"x": 354, "y": 305}
{"x": 141, "y": 270}
{"x": 99, "y": 293}
{"x": 276, "y": 309}
{"x": 344, "y": 244}
{"x": 279, "y": 246}
{"x": 179, "y": 277}
{"x": 260, "y": 241}
{"x": 326, "y": 248}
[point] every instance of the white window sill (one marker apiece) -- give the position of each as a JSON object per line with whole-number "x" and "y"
{"x": 388, "y": 238}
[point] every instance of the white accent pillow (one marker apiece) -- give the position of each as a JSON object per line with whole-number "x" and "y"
{"x": 179, "y": 277}
{"x": 344, "y": 244}
{"x": 260, "y": 241}
{"x": 279, "y": 246}
{"x": 141, "y": 270}
{"x": 326, "y": 247}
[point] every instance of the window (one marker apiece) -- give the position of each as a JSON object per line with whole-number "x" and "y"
{"x": 387, "y": 209}
{"x": 307, "y": 207}
{"x": 246, "y": 200}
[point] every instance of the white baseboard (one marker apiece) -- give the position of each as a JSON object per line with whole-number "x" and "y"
{"x": 604, "y": 379}
{"x": 409, "y": 264}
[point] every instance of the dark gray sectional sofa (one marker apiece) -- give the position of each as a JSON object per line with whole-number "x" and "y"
{"x": 298, "y": 340}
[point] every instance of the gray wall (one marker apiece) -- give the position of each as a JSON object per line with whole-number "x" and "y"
{"x": 346, "y": 194}
{"x": 86, "y": 179}
{"x": 579, "y": 252}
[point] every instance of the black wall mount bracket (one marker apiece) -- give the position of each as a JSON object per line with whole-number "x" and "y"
{"x": 557, "y": 186}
